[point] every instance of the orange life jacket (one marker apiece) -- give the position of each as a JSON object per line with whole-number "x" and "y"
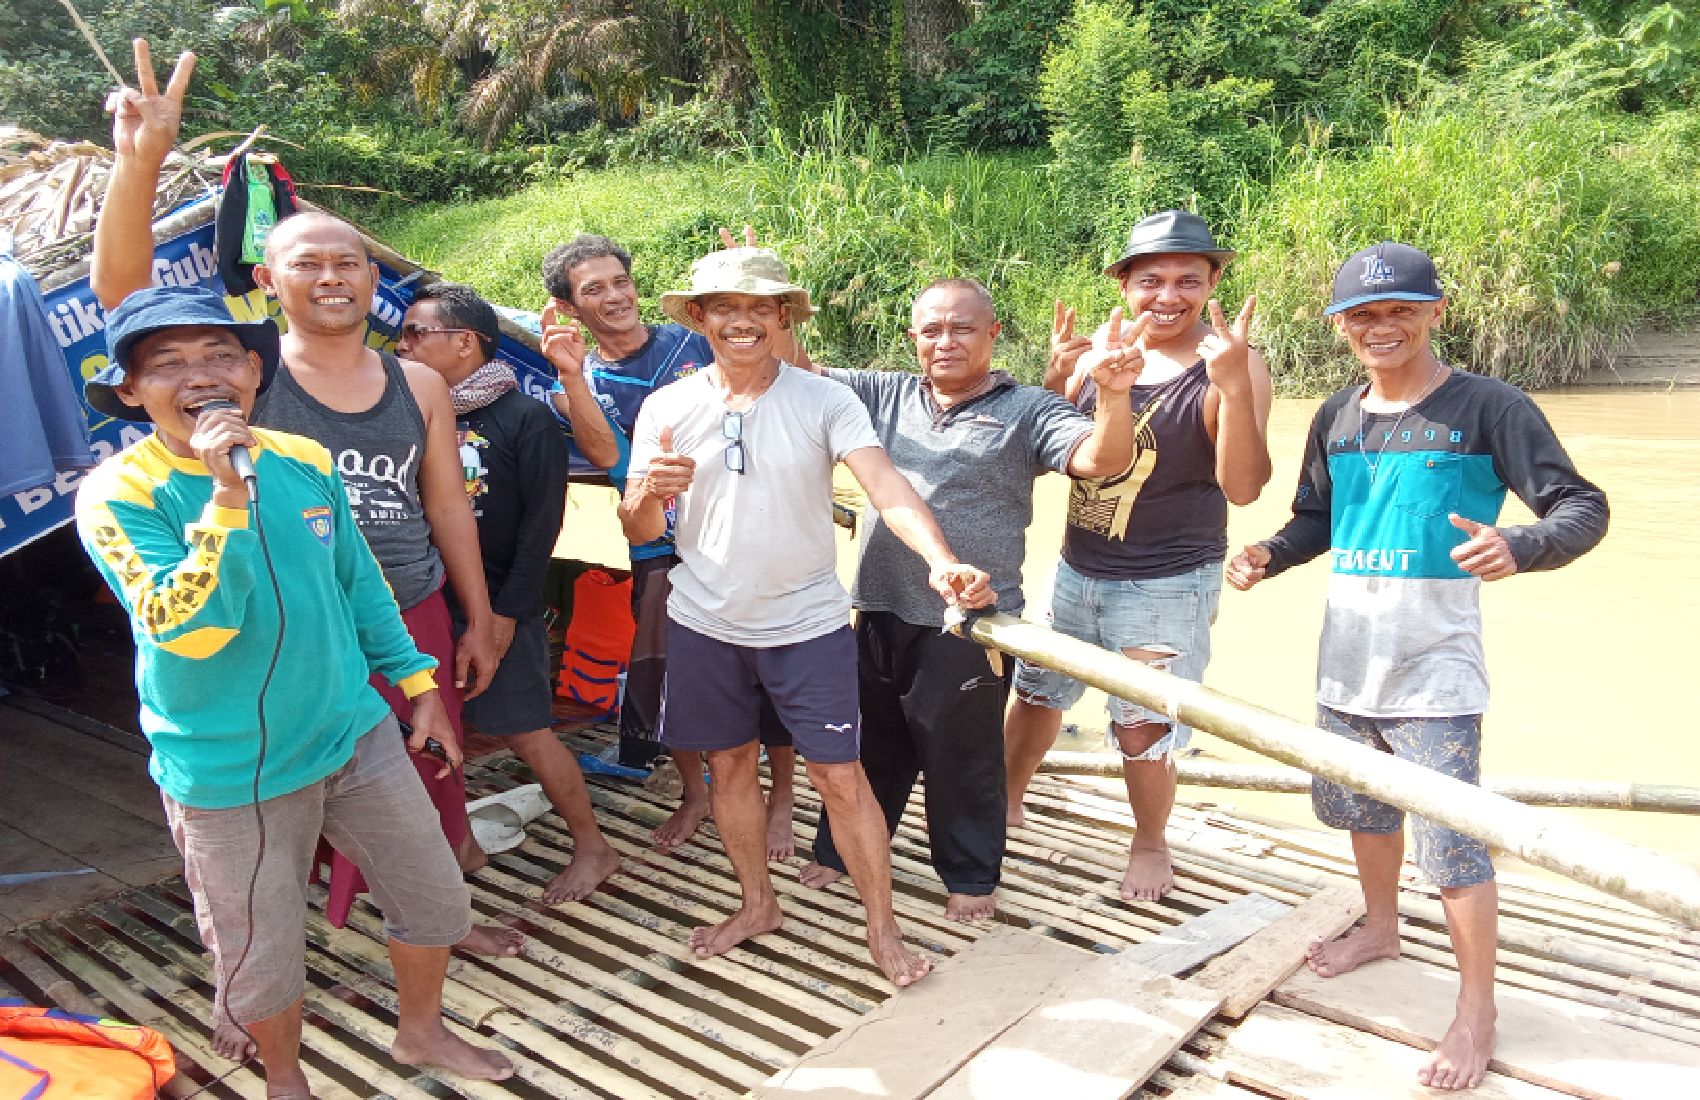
{"x": 598, "y": 642}
{"x": 49, "y": 1054}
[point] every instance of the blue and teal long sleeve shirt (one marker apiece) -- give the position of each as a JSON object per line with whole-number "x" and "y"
{"x": 206, "y": 621}
{"x": 1403, "y": 636}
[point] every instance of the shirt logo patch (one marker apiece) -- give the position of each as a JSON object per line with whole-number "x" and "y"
{"x": 318, "y": 521}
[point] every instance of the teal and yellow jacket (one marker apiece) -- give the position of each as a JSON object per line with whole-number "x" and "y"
{"x": 206, "y": 621}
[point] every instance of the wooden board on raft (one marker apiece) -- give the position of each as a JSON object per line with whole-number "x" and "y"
{"x": 1097, "y": 1035}
{"x": 976, "y": 1027}
{"x": 913, "y": 1042}
{"x": 1547, "y": 1041}
{"x": 1298, "y": 1057}
{"x": 1245, "y": 975}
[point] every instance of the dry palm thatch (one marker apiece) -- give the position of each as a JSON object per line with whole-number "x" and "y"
{"x": 51, "y": 191}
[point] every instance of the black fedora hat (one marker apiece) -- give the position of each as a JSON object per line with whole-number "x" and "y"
{"x": 1167, "y": 232}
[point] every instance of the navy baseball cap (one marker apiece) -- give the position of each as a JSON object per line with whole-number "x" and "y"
{"x": 162, "y": 307}
{"x": 1385, "y": 271}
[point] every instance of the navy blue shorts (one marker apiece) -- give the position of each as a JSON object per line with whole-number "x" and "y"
{"x": 713, "y": 698}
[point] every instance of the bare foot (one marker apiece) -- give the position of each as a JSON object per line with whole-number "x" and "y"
{"x": 1150, "y": 874}
{"x": 437, "y": 1047}
{"x": 970, "y": 907}
{"x": 718, "y": 939}
{"x": 1016, "y": 816}
{"x": 590, "y": 867}
{"x": 683, "y": 825}
{"x": 901, "y": 966}
{"x": 1461, "y": 1059}
{"x": 469, "y": 855}
{"x": 816, "y": 877}
{"x": 495, "y": 940}
{"x": 781, "y": 837}
{"x": 1349, "y": 951}
{"x": 232, "y": 1043}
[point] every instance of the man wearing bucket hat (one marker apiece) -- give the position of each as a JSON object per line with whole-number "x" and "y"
{"x": 746, "y": 449}
{"x": 972, "y": 441}
{"x": 1402, "y": 483}
{"x": 388, "y": 423}
{"x": 1141, "y": 568}
{"x": 589, "y": 280}
{"x": 258, "y": 613}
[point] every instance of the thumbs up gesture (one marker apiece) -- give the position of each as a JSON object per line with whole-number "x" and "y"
{"x": 670, "y": 472}
{"x": 1227, "y": 350}
{"x": 1485, "y": 554}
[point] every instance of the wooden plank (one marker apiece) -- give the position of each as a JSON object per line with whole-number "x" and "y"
{"x": 1208, "y": 1088}
{"x": 1544, "y": 1040}
{"x": 77, "y": 824}
{"x": 1205, "y": 936}
{"x": 1298, "y": 1057}
{"x": 918, "y": 1038}
{"x": 1096, "y": 1035}
{"x": 116, "y": 776}
{"x": 1245, "y": 975}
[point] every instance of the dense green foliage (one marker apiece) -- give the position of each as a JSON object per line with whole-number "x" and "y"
{"x": 1546, "y": 151}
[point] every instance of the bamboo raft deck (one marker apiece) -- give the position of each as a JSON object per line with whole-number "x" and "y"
{"x": 607, "y": 1000}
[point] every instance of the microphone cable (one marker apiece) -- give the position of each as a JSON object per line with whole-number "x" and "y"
{"x": 221, "y": 998}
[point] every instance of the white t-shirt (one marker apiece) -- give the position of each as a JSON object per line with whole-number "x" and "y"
{"x": 757, "y": 561}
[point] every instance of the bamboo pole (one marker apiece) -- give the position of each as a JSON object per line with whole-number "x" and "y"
{"x": 1578, "y": 793}
{"x": 1544, "y": 839}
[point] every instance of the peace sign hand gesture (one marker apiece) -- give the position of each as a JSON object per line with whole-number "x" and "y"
{"x": 727, "y": 241}
{"x": 1066, "y": 347}
{"x": 1116, "y": 368}
{"x": 145, "y": 123}
{"x": 1227, "y": 350}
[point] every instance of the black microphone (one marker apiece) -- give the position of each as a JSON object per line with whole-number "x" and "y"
{"x": 240, "y": 459}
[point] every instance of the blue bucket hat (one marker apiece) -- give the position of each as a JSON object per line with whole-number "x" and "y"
{"x": 1385, "y": 271}
{"x": 162, "y": 307}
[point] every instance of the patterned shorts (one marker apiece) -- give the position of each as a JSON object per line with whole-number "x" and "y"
{"x": 1451, "y": 746}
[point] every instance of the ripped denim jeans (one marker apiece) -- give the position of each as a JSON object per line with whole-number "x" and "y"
{"x": 1164, "y": 621}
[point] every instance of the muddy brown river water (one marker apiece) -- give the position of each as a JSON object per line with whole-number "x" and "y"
{"x": 1593, "y": 666}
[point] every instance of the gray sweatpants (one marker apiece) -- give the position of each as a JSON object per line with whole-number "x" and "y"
{"x": 375, "y": 811}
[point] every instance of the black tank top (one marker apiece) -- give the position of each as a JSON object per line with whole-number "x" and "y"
{"x": 378, "y": 452}
{"x": 1165, "y": 514}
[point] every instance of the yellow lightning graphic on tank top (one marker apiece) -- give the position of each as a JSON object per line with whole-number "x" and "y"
{"x": 1103, "y": 505}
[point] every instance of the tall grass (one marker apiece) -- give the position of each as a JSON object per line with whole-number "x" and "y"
{"x": 1556, "y": 235}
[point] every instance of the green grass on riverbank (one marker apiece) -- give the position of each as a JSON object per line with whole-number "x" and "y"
{"x": 1557, "y": 238}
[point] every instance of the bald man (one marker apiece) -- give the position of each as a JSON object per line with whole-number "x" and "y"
{"x": 971, "y": 440}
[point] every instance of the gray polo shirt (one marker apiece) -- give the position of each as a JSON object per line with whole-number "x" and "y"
{"x": 974, "y": 464}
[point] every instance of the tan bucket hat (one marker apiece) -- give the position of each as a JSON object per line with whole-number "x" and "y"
{"x": 739, "y": 271}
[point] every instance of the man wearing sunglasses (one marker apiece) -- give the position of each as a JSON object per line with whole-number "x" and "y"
{"x": 514, "y": 461}
{"x": 972, "y": 440}
{"x": 746, "y": 450}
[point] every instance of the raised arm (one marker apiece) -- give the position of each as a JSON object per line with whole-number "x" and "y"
{"x": 1239, "y": 421}
{"x": 563, "y": 347}
{"x": 145, "y": 124}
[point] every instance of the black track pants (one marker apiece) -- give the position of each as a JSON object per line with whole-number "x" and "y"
{"x": 932, "y": 704}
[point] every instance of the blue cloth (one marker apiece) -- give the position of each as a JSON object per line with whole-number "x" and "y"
{"x": 621, "y": 386}
{"x": 43, "y": 429}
